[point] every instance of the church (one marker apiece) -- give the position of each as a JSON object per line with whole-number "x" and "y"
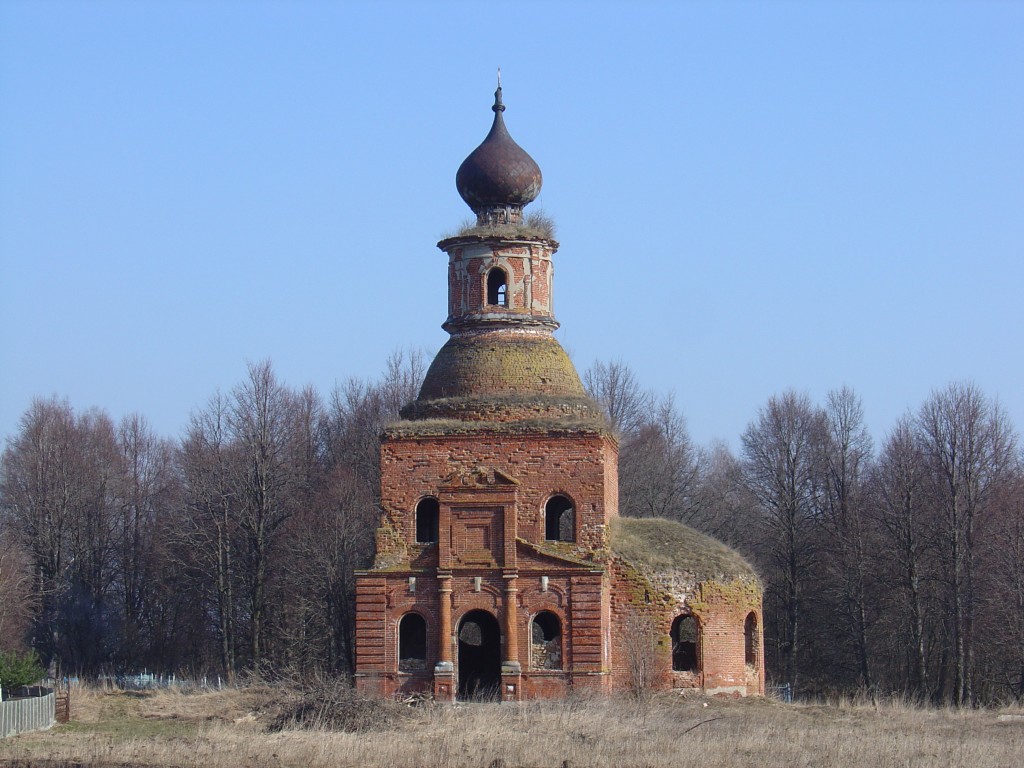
{"x": 503, "y": 570}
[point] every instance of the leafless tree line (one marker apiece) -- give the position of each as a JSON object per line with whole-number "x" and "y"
{"x": 897, "y": 569}
{"x": 900, "y": 570}
{"x": 232, "y": 547}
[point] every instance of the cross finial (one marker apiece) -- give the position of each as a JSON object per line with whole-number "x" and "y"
{"x": 498, "y": 106}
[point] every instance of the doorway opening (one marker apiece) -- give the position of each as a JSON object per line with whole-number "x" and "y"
{"x": 479, "y": 657}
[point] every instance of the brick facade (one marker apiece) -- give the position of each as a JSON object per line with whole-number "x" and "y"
{"x": 498, "y": 571}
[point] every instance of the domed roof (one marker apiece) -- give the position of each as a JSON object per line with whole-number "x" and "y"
{"x": 497, "y": 364}
{"x": 662, "y": 547}
{"x": 499, "y": 172}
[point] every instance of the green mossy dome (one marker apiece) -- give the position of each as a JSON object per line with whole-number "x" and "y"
{"x": 505, "y": 377}
{"x": 489, "y": 364}
{"x": 666, "y": 546}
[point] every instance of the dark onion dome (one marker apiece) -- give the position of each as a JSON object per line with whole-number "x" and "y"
{"x": 499, "y": 172}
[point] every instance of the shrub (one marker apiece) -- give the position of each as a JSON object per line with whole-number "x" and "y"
{"x": 18, "y": 669}
{"x": 286, "y": 700}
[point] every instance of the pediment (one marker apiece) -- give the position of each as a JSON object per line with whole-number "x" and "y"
{"x": 530, "y": 554}
{"x": 479, "y": 477}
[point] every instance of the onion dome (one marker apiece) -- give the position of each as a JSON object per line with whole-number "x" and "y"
{"x": 499, "y": 177}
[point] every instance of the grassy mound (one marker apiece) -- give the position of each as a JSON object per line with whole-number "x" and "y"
{"x": 665, "y": 545}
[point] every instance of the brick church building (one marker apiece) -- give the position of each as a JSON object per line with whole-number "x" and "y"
{"x": 503, "y": 569}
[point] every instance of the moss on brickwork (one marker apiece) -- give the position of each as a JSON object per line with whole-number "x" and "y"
{"x": 639, "y": 591}
{"x": 564, "y": 550}
{"x": 657, "y": 545}
{"x": 454, "y": 427}
{"x": 489, "y": 364}
{"x": 558, "y": 413}
{"x": 741, "y": 593}
{"x": 392, "y": 550}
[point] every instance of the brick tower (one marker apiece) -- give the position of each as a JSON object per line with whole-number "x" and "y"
{"x": 497, "y": 572}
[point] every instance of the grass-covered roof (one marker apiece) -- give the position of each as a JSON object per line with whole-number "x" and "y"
{"x": 658, "y": 545}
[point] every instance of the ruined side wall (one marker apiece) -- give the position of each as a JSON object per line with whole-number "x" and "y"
{"x": 646, "y": 603}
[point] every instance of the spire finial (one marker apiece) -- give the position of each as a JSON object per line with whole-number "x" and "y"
{"x": 498, "y": 106}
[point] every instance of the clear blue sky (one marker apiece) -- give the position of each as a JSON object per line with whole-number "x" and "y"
{"x": 750, "y": 197}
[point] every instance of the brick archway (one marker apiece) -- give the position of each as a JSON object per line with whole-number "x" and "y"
{"x": 479, "y": 657}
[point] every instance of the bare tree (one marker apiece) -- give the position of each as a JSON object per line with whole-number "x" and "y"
{"x": 899, "y": 508}
{"x": 208, "y": 461}
{"x": 729, "y": 511}
{"x": 262, "y": 419}
{"x": 359, "y": 410}
{"x": 146, "y": 493}
{"x": 969, "y": 448}
{"x": 660, "y": 468}
{"x": 333, "y": 538}
{"x": 640, "y": 641}
{"x": 349, "y": 500}
{"x": 615, "y": 388}
{"x": 1001, "y": 585}
{"x": 17, "y": 601}
{"x": 846, "y": 458}
{"x": 780, "y": 449}
{"x": 39, "y": 494}
{"x": 57, "y": 490}
{"x": 403, "y": 376}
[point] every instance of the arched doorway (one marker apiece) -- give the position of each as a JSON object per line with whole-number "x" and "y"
{"x": 479, "y": 657}
{"x": 685, "y": 644}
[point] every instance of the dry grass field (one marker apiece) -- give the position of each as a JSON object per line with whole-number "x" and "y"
{"x": 261, "y": 726}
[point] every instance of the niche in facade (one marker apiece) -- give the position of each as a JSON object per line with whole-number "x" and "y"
{"x": 750, "y": 639}
{"x": 412, "y": 643}
{"x": 546, "y": 641}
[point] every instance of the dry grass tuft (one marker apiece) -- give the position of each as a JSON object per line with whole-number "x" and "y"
{"x": 537, "y": 225}
{"x": 323, "y": 704}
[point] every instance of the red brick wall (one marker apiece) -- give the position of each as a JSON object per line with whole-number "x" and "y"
{"x": 581, "y": 467}
{"x": 575, "y": 598}
{"x": 527, "y": 267}
{"x": 721, "y": 611}
{"x": 592, "y": 594}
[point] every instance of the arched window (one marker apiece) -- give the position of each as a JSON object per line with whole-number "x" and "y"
{"x": 497, "y": 287}
{"x": 426, "y": 520}
{"x": 685, "y": 640}
{"x": 545, "y": 641}
{"x": 412, "y": 643}
{"x": 559, "y": 519}
{"x": 750, "y": 639}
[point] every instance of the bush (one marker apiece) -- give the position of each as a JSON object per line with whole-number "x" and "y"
{"x": 287, "y": 701}
{"x": 18, "y": 669}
